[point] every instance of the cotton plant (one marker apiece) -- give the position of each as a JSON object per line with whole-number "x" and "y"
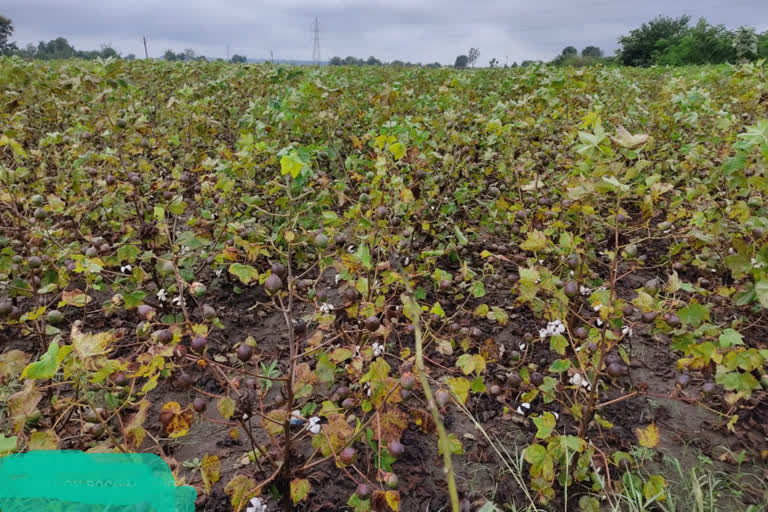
{"x": 553, "y": 328}
{"x": 257, "y": 504}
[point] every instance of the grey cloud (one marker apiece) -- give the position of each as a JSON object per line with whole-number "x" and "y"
{"x": 423, "y": 31}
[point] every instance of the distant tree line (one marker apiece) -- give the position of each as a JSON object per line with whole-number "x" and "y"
{"x": 60, "y": 48}
{"x": 373, "y": 61}
{"x": 672, "y": 41}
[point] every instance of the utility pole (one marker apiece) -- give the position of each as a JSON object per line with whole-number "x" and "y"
{"x": 316, "y": 44}
{"x": 146, "y": 53}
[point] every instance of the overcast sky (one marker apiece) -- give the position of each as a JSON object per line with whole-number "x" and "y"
{"x": 412, "y": 30}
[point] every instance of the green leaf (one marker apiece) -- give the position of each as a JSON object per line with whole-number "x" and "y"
{"x": 559, "y": 366}
{"x": 46, "y": 367}
{"x": 478, "y": 289}
{"x": 459, "y": 235}
{"x": 653, "y": 488}
{"x": 128, "y": 253}
{"x": 397, "y": 150}
{"x": 245, "y": 273}
{"x": 730, "y": 337}
{"x": 529, "y": 274}
{"x": 588, "y": 504}
{"x": 437, "y": 309}
{"x": 693, "y": 314}
{"x": 545, "y": 425}
{"x": 477, "y": 385}
{"x": 363, "y": 255}
{"x": 133, "y": 298}
{"x": 7, "y": 444}
{"x": 536, "y": 241}
{"x": 761, "y": 289}
{"x": 291, "y": 164}
{"x": 452, "y": 443}
{"x": 541, "y": 462}
{"x": 558, "y": 344}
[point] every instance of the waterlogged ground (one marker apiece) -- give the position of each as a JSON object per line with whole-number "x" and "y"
{"x": 586, "y": 248}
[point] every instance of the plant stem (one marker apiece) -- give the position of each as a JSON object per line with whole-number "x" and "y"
{"x": 588, "y": 410}
{"x": 420, "y": 372}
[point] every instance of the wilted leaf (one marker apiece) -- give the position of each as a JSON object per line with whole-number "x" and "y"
{"x": 273, "y": 422}
{"x": 337, "y": 431}
{"x": 46, "y": 440}
{"x": 535, "y": 241}
{"x": 134, "y": 427}
{"x": 424, "y": 420}
{"x": 300, "y": 488}
{"x": 393, "y": 422}
{"x": 181, "y": 420}
{"x": 91, "y": 345}
{"x": 382, "y": 501}
{"x": 626, "y": 140}
{"x": 240, "y": 489}
{"x": 226, "y": 407}
{"x": 648, "y": 436}
{"x": 12, "y": 364}
{"x": 23, "y": 404}
{"x": 76, "y": 298}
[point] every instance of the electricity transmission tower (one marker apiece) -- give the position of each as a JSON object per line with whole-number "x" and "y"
{"x": 316, "y": 44}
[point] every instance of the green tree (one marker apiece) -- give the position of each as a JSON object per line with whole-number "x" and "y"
{"x": 461, "y": 62}
{"x": 170, "y": 55}
{"x": 472, "y": 56}
{"x": 745, "y": 43}
{"x": 701, "y": 44}
{"x": 592, "y": 51}
{"x": 762, "y": 45}
{"x": 238, "y": 59}
{"x": 643, "y": 44}
{"x": 336, "y": 61}
{"x": 6, "y": 30}
{"x": 372, "y": 61}
{"x": 58, "y": 48}
{"x": 569, "y": 51}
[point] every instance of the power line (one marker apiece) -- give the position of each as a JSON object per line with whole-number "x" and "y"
{"x": 316, "y": 44}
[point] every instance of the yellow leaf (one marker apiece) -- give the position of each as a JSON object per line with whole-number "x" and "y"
{"x": 76, "y": 298}
{"x": 300, "y": 488}
{"x": 180, "y": 420}
{"x": 648, "y": 436}
{"x": 460, "y": 387}
{"x": 209, "y": 470}
{"x": 46, "y": 440}
{"x": 90, "y": 345}
{"x": 226, "y": 407}
{"x": 241, "y": 489}
{"x": 393, "y": 500}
